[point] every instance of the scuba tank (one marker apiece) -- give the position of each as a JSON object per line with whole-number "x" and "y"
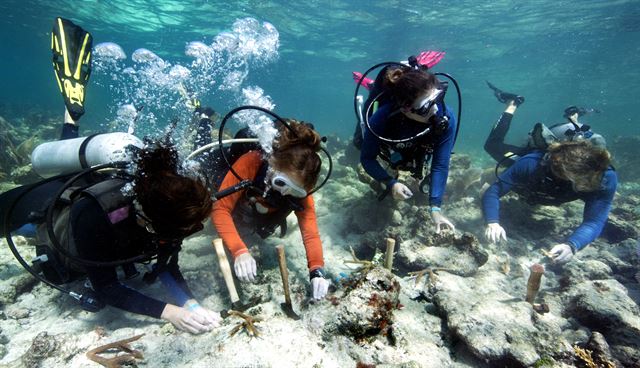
{"x": 72, "y": 155}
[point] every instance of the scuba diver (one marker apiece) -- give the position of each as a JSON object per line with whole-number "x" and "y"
{"x": 411, "y": 125}
{"x": 278, "y": 184}
{"x": 540, "y": 136}
{"x": 567, "y": 171}
{"x": 424, "y": 60}
{"x": 95, "y": 220}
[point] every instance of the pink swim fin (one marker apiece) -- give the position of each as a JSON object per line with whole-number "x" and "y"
{"x": 429, "y": 58}
{"x": 366, "y": 83}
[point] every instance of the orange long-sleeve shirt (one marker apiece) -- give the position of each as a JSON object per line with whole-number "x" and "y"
{"x": 247, "y": 167}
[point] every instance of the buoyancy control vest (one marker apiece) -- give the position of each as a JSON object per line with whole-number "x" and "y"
{"x": 264, "y": 209}
{"x": 543, "y": 188}
{"x": 119, "y": 211}
{"x": 413, "y": 155}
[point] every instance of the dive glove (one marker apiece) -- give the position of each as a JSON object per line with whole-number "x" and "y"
{"x": 495, "y": 233}
{"x": 400, "y": 192}
{"x": 562, "y": 253}
{"x": 185, "y": 320}
{"x": 245, "y": 267}
{"x": 440, "y": 220}
{"x": 319, "y": 285}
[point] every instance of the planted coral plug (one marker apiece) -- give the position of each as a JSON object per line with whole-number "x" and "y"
{"x": 533, "y": 285}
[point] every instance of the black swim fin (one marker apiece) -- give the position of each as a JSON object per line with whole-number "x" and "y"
{"x": 71, "y": 47}
{"x": 504, "y": 97}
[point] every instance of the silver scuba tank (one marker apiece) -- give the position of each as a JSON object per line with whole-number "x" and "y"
{"x": 71, "y": 155}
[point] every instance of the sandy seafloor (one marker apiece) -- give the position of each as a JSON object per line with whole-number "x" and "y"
{"x": 469, "y": 312}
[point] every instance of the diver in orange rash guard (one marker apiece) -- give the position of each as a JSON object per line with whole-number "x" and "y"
{"x": 281, "y": 185}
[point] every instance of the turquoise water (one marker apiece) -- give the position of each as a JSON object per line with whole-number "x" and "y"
{"x": 555, "y": 53}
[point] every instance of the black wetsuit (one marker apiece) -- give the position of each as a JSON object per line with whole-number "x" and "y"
{"x": 495, "y": 146}
{"x": 96, "y": 239}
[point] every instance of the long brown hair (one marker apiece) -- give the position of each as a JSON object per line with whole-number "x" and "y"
{"x": 297, "y": 151}
{"x": 580, "y": 162}
{"x": 175, "y": 204}
{"x": 406, "y": 84}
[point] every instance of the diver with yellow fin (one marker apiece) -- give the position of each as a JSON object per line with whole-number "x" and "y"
{"x": 95, "y": 219}
{"x": 71, "y": 47}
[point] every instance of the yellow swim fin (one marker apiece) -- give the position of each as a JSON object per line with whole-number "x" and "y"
{"x": 71, "y": 47}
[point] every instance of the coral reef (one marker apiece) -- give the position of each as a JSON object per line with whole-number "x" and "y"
{"x": 624, "y": 149}
{"x": 42, "y": 346}
{"x": 18, "y": 138}
{"x": 366, "y": 305}
{"x": 452, "y": 300}
{"x": 461, "y": 255}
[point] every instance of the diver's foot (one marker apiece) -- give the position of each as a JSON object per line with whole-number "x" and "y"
{"x": 206, "y": 112}
{"x": 505, "y": 97}
{"x": 68, "y": 119}
{"x": 517, "y": 99}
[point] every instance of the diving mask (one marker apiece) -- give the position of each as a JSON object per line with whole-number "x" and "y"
{"x": 424, "y": 106}
{"x": 283, "y": 184}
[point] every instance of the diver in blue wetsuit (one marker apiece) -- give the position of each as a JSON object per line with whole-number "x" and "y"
{"x": 566, "y": 172}
{"x": 411, "y": 127}
{"x": 540, "y": 136}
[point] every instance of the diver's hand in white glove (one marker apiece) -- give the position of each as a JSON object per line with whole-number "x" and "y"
{"x": 495, "y": 233}
{"x": 400, "y": 192}
{"x": 212, "y": 319}
{"x": 440, "y": 221}
{"x": 561, "y": 253}
{"x": 320, "y": 287}
{"x": 185, "y": 320}
{"x": 245, "y": 267}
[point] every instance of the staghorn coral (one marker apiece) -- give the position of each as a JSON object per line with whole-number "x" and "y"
{"x": 365, "y": 265}
{"x": 128, "y": 358}
{"x": 248, "y": 325}
{"x": 585, "y": 359}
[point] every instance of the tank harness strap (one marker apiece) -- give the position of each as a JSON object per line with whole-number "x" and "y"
{"x": 109, "y": 195}
{"x": 165, "y": 259}
{"x": 82, "y": 151}
{"x": 266, "y": 224}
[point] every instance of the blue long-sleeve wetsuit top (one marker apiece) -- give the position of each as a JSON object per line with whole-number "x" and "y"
{"x": 95, "y": 240}
{"x": 443, "y": 145}
{"x": 597, "y": 204}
